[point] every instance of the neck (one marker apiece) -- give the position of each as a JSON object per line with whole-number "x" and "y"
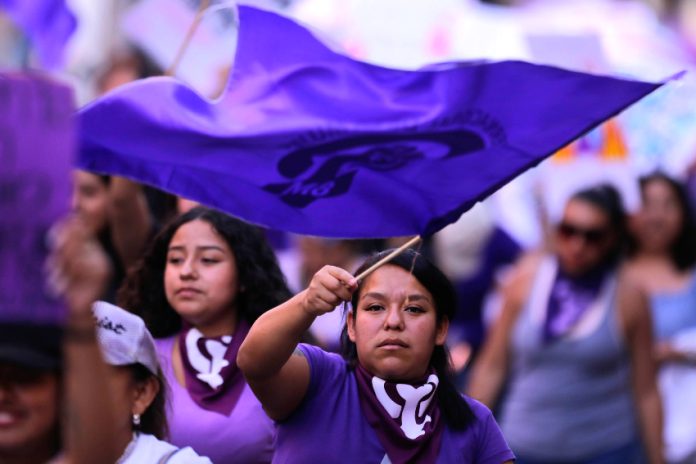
{"x": 652, "y": 255}
{"x": 123, "y": 438}
{"x": 389, "y": 378}
{"x": 598, "y": 269}
{"x": 219, "y": 327}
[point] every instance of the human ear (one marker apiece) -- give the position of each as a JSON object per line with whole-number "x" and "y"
{"x": 145, "y": 394}
{"x": 350, "y": 325}
{"x": 441, "y": 331}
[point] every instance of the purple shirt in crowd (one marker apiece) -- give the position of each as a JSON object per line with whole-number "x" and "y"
{"x": 245, "y": 436}
{"x": 329, "y": 425}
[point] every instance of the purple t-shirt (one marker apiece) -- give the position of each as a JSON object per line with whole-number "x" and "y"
{"x": 245, "y": 436}
{"x": 329, "y": 425}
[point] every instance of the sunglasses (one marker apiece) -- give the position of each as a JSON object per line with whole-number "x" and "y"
{"x": 592, "y": 236}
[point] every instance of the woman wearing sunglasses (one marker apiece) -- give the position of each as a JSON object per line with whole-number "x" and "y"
{"x": 574, "y": 344}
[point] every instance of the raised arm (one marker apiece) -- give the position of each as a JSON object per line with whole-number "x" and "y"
{"x": 276, "y": 372}
{"x": 81, "y": 270}
{"x": 635, "y": 316}
{"x": 491, "y": 368}
{"x": 129, "y": 219}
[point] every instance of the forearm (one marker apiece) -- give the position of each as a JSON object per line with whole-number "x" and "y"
{"x": 130, "y": 220}
{"x": 650, "y": 410}
{"x": 90, "y": 418}
{"x": 486, "y": 382}
{"x": 273, "y": 338}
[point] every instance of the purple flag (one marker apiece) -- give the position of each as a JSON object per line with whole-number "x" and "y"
{"x": 310, "y": 141}
{"x": 36, "y": 156}
{"x": 47, "y": 23}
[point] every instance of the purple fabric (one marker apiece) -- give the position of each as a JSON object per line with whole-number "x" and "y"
{"x": 245, "y": 436}
{"x": 223, "y": 398}
{"x": 499, "y": 251}
{"x": 304, "y": 134}
{"x": 47, "y": 23}
{"x": 400, "y": 448}
{"x": 36, "y": 153}
{"x": 329, "y": 425}
{"x": 569, "y": 299}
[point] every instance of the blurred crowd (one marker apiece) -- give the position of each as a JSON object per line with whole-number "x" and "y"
{"x": 580, "y": 337}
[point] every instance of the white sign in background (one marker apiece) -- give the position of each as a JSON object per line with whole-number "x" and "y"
{"x": 160, "y": 27}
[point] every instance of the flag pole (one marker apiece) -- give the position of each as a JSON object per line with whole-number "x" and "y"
{"x": 388, "y": 258}
{"x": 189, "y": 36}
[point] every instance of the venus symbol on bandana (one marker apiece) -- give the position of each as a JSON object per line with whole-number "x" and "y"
{"x": 207, "y": 356}
{"x": 416, "y": 401}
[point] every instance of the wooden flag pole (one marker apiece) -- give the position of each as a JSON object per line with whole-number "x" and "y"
{"x": 189, "y": 36}
{"x": 388, "y": 258}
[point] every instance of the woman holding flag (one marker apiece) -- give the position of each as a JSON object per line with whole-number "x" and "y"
{"x": 203, "y": 282}
{"x": 391, "y": 397}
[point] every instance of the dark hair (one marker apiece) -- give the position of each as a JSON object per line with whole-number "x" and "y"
{"x": 607, "y": 199}
{"x": 683, "y": 250}
{"x": 154, "y": 420}
{"x": 453, "y": 406}
{"x": 132, "y": 57}
{"x": 258, "y": 273}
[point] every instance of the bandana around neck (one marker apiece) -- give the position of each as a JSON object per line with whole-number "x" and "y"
{"x": 569, "y": 299}
{"x": 212, "y": 377}
{"x": 405, "y": 416}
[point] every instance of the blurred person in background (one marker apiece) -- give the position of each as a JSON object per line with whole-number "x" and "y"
{"x": 475, "y": 254}
{"x": 204, "y": 280}
{"x": 125, "y": 65}
{"x": 663, "y": 260}
{"x": 123, "y": 214}
{"x": 574, "y": 342}
{"x": 128, "y": 64}
{"x": 54, "y": 390}
{"x": 130, "y": 394}
{"x": 115, "y": 210}
{"x": 139, "y": 389}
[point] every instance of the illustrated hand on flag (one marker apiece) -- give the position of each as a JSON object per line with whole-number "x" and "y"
{"x": 313, "y": 142}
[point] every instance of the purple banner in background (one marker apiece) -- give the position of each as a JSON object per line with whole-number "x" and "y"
{"x": 36, "y": 153}
{"x": 48, "y": 24}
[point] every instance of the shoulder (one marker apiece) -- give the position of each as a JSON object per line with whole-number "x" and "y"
{"x": 488, "y": 439}
{"x": 517, "y": 285}
{"x": 328, "y": 381}
{"x": 480, "y": 410}
{"x": 150, "y": 449}
{"x": 485, "y": 424}
{"x": 323, "y": 366}
{"x": 633, "y": 274}
{"x": 187, "y": 456}
{"x": 164, "y": 346}
{"x": 632, "y": 299}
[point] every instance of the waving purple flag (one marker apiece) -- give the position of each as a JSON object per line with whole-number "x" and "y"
{"x": 47, "y": 23}
{"x": 37, "y": 144}
{"x": 311, "y": 141}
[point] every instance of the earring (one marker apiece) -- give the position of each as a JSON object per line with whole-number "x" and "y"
{"x": 136, "y": 420}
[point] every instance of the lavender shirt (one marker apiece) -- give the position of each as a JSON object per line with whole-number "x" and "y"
{"x": 245, "y": 436}
{"x": 329, "y": 426}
